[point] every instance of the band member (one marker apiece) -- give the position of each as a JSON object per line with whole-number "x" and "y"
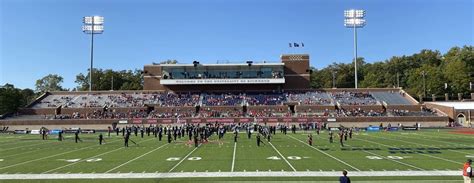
{"x": 196, "y": 141}
{"x": 350, "y": 133}
{"x": 331, "y": 137}
{"x": 169, "y": 137}
{"x": 236, "y": 136}
{"x": 341, "y": 138}
{"x": 76, "y": 136}
{"x": 101, "y": 139}
{"x": 60, "y": 135}
{"x": 259, "y": 140}
{"x": 346, "y": 133}
{"x": 126, "y": 138}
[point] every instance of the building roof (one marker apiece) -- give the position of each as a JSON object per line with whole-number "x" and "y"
{"x": 456, "y": 105}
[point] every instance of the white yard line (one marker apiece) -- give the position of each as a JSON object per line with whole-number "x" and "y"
{"x": 136, "y": 158}
{"x": 233, "y": 157}
{"x": 343, "y": 162}
{"x": 183, "y": 159}
{"x": 26, "y": 146}
{"x": 225, "y": 174}
{"x": 26, "y": 152}
{"x": 54, "y": 155}
{"x": 282, "y": 157}
{"x": 416, "y": 153}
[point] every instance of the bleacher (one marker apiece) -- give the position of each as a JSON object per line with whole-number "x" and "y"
{"x": 309, "y": 98}
{"x": 103, "y": 105}
{"x": 391, "y": 98}
{"x": 354, "y": 98}
{"x": 256, "y": 99}
{"x": 222, "y": 99}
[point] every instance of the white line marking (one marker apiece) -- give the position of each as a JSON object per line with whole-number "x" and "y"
{"x": 1, "y": 150}
{"x": 135, "y": 158}
{"x": 47, "y": 157}
{"x": 233, "y": 157}
{"x": 183, "y": 159}
{"x": 326, "y": 153}
{"x": 282, "y": 156}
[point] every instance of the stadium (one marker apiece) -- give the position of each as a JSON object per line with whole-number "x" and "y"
{"x": 294, "y": 117}
{"x": 394, "y": 134}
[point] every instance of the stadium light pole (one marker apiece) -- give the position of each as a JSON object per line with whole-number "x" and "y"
{"x": 354, "y": 19}
{"x": 334, "y": 79}
{"x": 92, "y": 25}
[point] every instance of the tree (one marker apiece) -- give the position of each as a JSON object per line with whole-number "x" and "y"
{"x": 457, "y": 76}
{"x": 433, "y": 81}
{"x": 102, "y": 80}
{"x": 51, "y": 82}
{"x": 12, "y": 98}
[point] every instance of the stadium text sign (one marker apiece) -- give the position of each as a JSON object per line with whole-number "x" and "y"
{"x": 222, "y": 81}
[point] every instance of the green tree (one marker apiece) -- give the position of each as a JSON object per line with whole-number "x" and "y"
{"x": 102, "y": 80}
{"x": 51, "y": 82}
{"x": 433, "y": 81}
{"x": 12, "y": 98}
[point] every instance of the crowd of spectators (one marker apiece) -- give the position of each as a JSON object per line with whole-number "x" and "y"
{"x": 361, "y": 113}
{"x": 265, "y": 99}
{"x": 222, "y": 113}
{"x": 354, "y": 98}
{"x": 309, "y": 98}
{"x": 228, "y": 99}
{"x": 422, "y": 112}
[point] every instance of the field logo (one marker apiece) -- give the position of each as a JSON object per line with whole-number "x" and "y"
{"x": 194, "y": 158}
{"x": 274, "y": 158}
{"x": 178, "y": 158}
{"x": 294, "y": 157}
{"x": 289, "y": 157}
{"x": 173, "y": 159}
{"x": 388, "y": 157}
{"x": 78, "y": 159}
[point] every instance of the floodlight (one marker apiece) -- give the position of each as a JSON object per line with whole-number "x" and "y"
{"x": 92, "y": 25}
{"x": 98, "y": 29}
{"x": 354, "y": 19}
{"x": 96, "y": 20}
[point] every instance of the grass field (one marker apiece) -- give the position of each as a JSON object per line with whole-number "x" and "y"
{"x": 406, "y": 156}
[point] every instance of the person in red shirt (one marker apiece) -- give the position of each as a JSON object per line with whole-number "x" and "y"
{"x": 467, "y": 171}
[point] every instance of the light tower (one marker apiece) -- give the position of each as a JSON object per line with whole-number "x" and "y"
{"x": 354, "y": 19}
{"x": 92, "y": 25}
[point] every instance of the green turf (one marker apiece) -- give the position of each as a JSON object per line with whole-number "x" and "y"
{"x": 393, "y": 151}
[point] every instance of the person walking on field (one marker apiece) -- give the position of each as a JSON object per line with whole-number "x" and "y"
{"x": 344, "y": 178}
{"x": 467, "y": 171}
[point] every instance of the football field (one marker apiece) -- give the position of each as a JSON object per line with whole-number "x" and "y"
{"x": 403, "y": 156}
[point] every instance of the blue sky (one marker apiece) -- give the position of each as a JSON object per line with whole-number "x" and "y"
{"x": 39, "y": 37}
